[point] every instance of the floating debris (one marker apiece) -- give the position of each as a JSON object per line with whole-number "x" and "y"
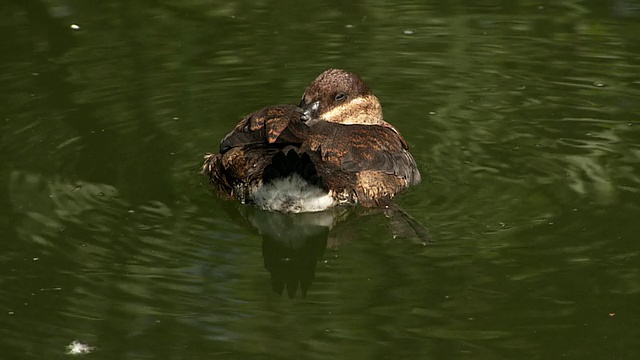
{"x": 78, "y": 348}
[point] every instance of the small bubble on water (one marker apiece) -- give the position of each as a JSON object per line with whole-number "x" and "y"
{"x": 408, "y": 32}
{"x": 599, "y": 84}
{"x": 75, "y": 27}
{"x": 432, "y": 112}
{"x": 349, "y": 26}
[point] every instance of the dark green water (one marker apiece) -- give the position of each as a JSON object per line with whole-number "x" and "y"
{"x": 522, "y": 115}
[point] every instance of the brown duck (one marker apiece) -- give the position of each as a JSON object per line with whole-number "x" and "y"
{"x": 334, "y": 148}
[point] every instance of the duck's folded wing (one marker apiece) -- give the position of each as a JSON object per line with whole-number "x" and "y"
{"x": 370, "y": 161}
{"x": 400, "y": 164}
{"x": 272, "y": 124}
{"x": 358, "y": 148}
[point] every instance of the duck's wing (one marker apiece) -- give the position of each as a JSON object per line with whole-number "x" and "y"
{"x": 356, "y": 148}
{"x": 376, "y": 158}
{"x": 381, "y": 150}
{"x": 272, "y": 124}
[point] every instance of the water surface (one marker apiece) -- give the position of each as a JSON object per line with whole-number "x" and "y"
{"x": 522, "y": 116}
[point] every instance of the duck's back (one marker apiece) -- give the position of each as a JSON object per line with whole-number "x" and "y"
{"x": 260, "y": 161}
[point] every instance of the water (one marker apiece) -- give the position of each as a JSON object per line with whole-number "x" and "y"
{"x": 522, "y": 116}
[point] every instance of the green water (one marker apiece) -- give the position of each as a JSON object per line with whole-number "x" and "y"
{"x": 522, "y": 115}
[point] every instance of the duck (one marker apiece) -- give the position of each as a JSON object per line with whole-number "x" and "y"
{"x": 334, "y": 148}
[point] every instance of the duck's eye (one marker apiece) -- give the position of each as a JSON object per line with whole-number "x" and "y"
{"x": 340, "y": 97}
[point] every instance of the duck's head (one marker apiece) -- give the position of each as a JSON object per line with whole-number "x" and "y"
{"x": 341, "y": 97}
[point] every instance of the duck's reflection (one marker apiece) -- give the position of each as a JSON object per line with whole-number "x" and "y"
{"x": 292, "y": 244}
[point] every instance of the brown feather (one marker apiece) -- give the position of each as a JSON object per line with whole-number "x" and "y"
{"x": 266, "y": 126}
{"x": 375, "y": 155}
